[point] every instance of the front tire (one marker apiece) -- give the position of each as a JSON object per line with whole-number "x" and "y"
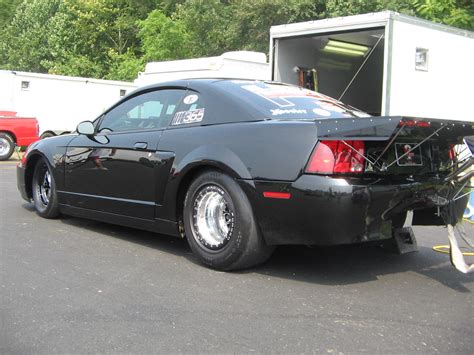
{"x": 220, "y": 226}
{"x": 7, "y": 146}
{"x": 44, "y": 191}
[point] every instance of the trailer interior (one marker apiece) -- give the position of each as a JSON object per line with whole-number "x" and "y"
{"x": 345, "y": 65}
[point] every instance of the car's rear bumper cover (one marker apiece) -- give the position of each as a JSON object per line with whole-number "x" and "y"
{"x": 329, "y": 211}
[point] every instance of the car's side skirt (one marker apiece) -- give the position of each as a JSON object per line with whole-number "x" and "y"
{"x": 157, "y": 225}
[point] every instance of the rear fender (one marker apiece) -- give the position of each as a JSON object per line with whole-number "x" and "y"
{"x": 215, "y": 155}
{"x": 210, "y": 156}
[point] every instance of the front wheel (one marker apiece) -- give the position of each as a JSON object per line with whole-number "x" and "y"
{"x": 7, "y": 146}
{"x": 220, "y": 226}
{"x": 44, "y": 191}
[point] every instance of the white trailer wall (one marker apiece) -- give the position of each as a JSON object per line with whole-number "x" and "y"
{"x": 445, "y": 89}
{"x": 58, "y": 102}
{"x": 237, "y": 64}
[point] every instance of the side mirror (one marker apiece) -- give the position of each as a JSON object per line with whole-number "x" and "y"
{"x": 86, "y": 128}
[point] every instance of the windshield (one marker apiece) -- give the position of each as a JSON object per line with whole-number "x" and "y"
{"x": 279, "y": 101}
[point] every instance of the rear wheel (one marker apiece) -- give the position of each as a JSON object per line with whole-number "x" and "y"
{"x": 7, "y": 146}
{"x": 44, "y": 191}
{"x": 220, "y": 225}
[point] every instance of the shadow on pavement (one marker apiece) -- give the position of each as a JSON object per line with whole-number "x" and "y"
{"x": 352, "y": 264}
{"x": 341, "y": 265}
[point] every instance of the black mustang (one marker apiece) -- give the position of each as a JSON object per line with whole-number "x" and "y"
{"x": 240, "y": 166}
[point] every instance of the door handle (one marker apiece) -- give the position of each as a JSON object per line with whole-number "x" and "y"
{"x": 140, "y": 145}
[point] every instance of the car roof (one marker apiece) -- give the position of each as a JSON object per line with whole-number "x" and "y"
{"x": 188, "y": 82}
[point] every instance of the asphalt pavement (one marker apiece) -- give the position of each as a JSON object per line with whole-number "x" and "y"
{"x": 74, "y": 286}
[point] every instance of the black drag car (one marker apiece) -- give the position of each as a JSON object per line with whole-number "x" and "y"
{"x": 238, "y": 167}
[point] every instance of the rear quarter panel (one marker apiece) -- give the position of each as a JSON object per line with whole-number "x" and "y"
{"x": 264, "y": 150}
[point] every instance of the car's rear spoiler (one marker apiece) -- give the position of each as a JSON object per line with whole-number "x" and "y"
{"x": 381, "y": 128}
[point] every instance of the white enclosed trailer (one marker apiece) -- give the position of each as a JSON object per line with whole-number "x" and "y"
{"x": 238, "y": 64}
{"x": 383, "y": 63}
{"x": 58, "y": 102}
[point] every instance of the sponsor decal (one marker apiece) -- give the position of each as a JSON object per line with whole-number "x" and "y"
{"x": 188, "y": 117}
{"x": 280, "y": 111}
{"x": 279, "y": 94}
{"x": 190, "y": 99}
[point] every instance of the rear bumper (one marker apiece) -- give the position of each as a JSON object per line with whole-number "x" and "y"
{"x": 330, "y": 211}
{"x": 20, "y": 181}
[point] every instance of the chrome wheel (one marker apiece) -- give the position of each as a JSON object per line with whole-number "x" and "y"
{"x": 44, "y": 188}
{"x": 4, "y": 146}
{"x": 213, "y": 218}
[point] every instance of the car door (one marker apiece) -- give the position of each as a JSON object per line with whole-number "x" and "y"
{"x": 115, "y": 169}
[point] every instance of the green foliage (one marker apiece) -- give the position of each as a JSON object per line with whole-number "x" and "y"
{"x": 206, "y": 22}
{"x": 251, "y": 21}
{"x": 162, "y": 38}
{"x": 458, "y": 13}
{"x": 124, "y": 66}
{"x": 7, "y": 11}
{"x": 24, "y": 43}
{"x": 87, "y": 36}
{"x": 114, "y": 39}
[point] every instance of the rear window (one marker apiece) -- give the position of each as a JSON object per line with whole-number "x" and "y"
{"x": 279, "y": 101}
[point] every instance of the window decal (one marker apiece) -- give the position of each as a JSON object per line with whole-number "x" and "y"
{"x": 188, "y": 117}
{"x": 190, "y": 99}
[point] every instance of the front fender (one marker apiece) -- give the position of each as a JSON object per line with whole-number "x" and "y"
{"x": 53, "y": 151}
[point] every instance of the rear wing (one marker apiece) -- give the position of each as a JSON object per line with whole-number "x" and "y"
{"x": 383, "y": 128}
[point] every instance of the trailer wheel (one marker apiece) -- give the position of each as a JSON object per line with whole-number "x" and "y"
{"x": 7, "y": 146}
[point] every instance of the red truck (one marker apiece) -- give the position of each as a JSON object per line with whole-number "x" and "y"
{"x": 16, "y": 131}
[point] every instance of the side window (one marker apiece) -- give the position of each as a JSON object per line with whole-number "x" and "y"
{"x": 150, "y": 110}
{"x": 191, "y": 110}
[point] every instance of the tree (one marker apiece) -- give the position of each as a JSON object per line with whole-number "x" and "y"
{"x": 459, "y": 13}
{"x": 7, "y": 11}
{"x": 24, "y": 43}
{"x": 207, "y": 22}
{"x": 98, "y": 38}
{"x": 336, "y": 8}
{"x": 163, "y": 38}
{"x": 251, "y": 21}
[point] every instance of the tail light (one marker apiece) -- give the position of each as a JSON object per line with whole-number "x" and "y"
{"x": 452, "y": 153}
{"x": 337, "y": 157}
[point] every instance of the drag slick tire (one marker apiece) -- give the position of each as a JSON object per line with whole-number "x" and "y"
{"x": 7, "y": 145}
{"x": 220, "y": 226}
{"x": 44, "y": 191}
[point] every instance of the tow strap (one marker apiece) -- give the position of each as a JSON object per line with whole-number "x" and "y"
{"x": 455, "y": 253}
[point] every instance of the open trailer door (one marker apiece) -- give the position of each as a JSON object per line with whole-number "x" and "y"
{"x": 334, "y": 57}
